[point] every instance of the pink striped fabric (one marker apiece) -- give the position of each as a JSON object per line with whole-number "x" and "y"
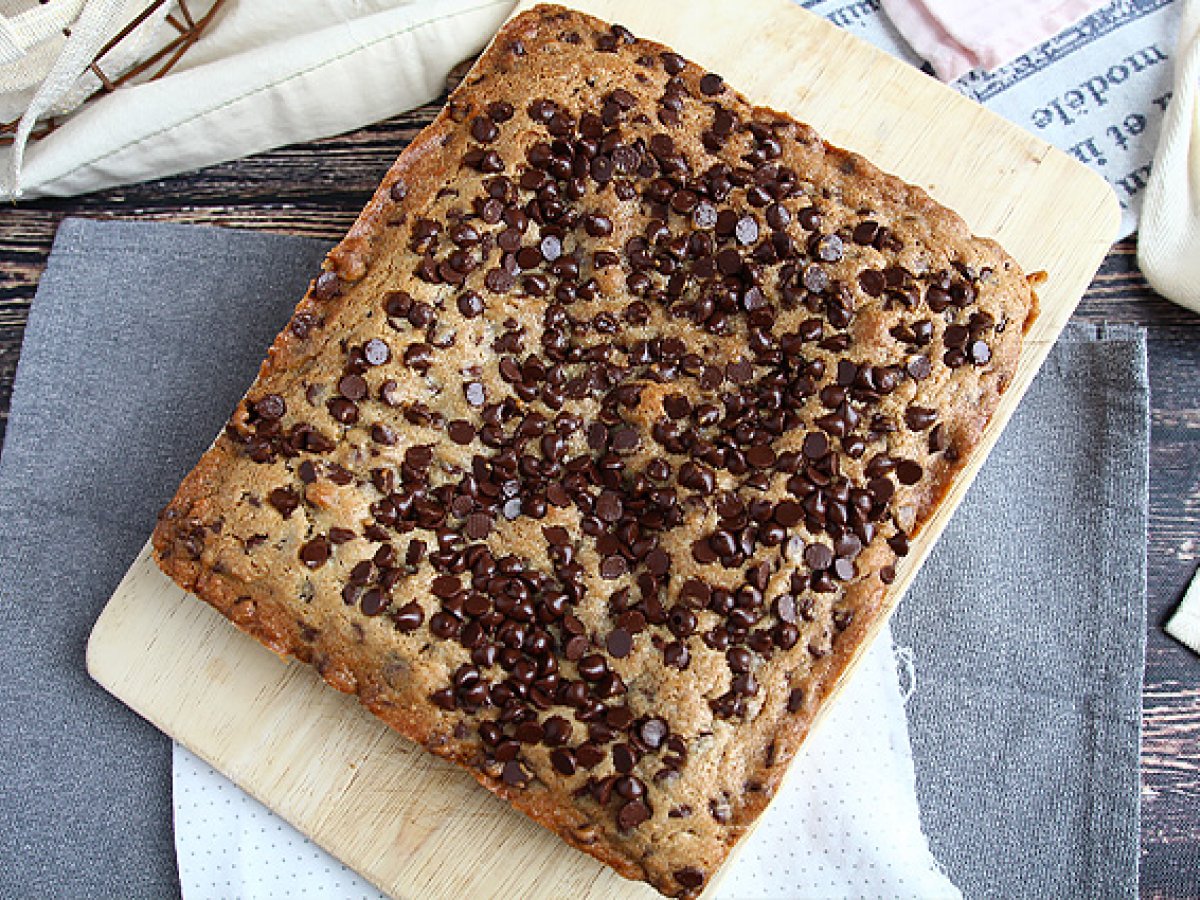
{"x": 957, "y": 36}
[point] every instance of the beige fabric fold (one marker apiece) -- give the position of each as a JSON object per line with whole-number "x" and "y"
{"x": 267, "y": 73}
{"x": 1169, "y": 237}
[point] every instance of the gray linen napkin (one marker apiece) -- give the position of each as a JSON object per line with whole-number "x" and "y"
{"x": 1028, "y": 621}
{"x": 1028, "y": 624}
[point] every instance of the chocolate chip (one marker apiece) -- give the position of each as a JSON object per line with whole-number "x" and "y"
{"x": 589, "y": 756}
{"x": 689, "y": 877}
{"x": 270, "y": 406}
{"x": 979, "y": 352}
{"x": 563, "y": 761}
{"x": 711, "y": 85}
{"x": 514, "y": 775}
{"x": 816, "y": 445}
{"x": 918, "y": 418}
{"x": 632, "y": 814}
{"x": 956, "y": 336}
{"x": 478, "y": 526}
{"x": 619, "y": 643}
{"x": 919, "y": 368}
{"x": 908, "y": 471}
{"x": 399, "y": 190}
{"x": 418, "y": 356}
{"x": 673, "y": 63}
{"x": 818, "y": 556}
{"x": 828, "y": 248}
{"x": 676, "y": 655}
{"x": 352, "y": 387}
{"x": 704, "y": 215}
{"x": 872, "y": 282}
{"x": 473, "y": 391}
{"x": 470, "y": 304}
{"x": 795, "y": 700}
{"x": 315, "y": 553}
{"x": 623, "y": 758}
{"x": 609, "y": 507}
{"x": 327, "y": 286}
{"x": 658, "y": 562}
{"x": 376, "y": 352}
{"x": 612, "y": 567}
{"x": 408, "y": 617}
{"x": 865, "y": 233}
{"x": 746, "y": 230}
{"x": 285, "y": 500}
{"x": 461, "y": 431}
{"x": 484, "y": 129}
{"x": 809, "y": 218}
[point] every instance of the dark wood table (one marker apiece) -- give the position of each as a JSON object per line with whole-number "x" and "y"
{"x": 317, "y": 189}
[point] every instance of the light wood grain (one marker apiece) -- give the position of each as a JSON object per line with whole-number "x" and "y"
{"x": 412, "y": 824}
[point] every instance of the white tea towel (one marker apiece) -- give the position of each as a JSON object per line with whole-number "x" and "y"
{"x": 1169, "y": 240}
{"x": 845, "y": 823}
{"x": 1184, "y": 625}
{"x": 261, "y": 76}
{"x": 957, "y": 37}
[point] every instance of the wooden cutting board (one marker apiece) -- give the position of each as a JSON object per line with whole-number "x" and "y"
{"x": 415, "y": 826}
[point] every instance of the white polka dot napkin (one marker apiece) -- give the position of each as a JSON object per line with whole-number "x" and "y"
{"x": 845, "y": 823}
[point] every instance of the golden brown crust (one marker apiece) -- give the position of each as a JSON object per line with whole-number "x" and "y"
{"x": 227, "y": 538}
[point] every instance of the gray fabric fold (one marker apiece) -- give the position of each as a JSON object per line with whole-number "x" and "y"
{"x": 1027, "y": 622}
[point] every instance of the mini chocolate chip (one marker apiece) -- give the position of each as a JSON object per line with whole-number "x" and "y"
{"x": 746, "y": 230}
{"x": 409, "y": 617}
{"x": 353, "y": 387}
{"x": 473, "y": 391}
{"x": 461, "y": 431}
{"x": 376, "y": 352}
{"x": 470, "y": 304}
{"x": 612, "y": 567}
{"x": 484, "y": 129}
{"x": 979, "y": 352}
{"x": 623, "y": 758}
{"x": 270, "y": 406}
{"x": 514, "y": 775}
{"x": 690, "y": 877}
{"x": 676, "y": 655}
{"x": 327, "y": 286}
{"x": 563, "y": 761}
{"x": 818, "y": 556}
{"x": 285, "y": 500}
{"x": 711, "y": 84}
{"x": 418, "y": 356}
{"x": 919, "y": 368}
{"x": 315, "y": 553}
{"x": 918, "y": 418}
{"x": 609, "y": 507}
{"x": 399, "y": 190}
{"x": 478, "y": 526}
{"x": 619, "y": 643}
